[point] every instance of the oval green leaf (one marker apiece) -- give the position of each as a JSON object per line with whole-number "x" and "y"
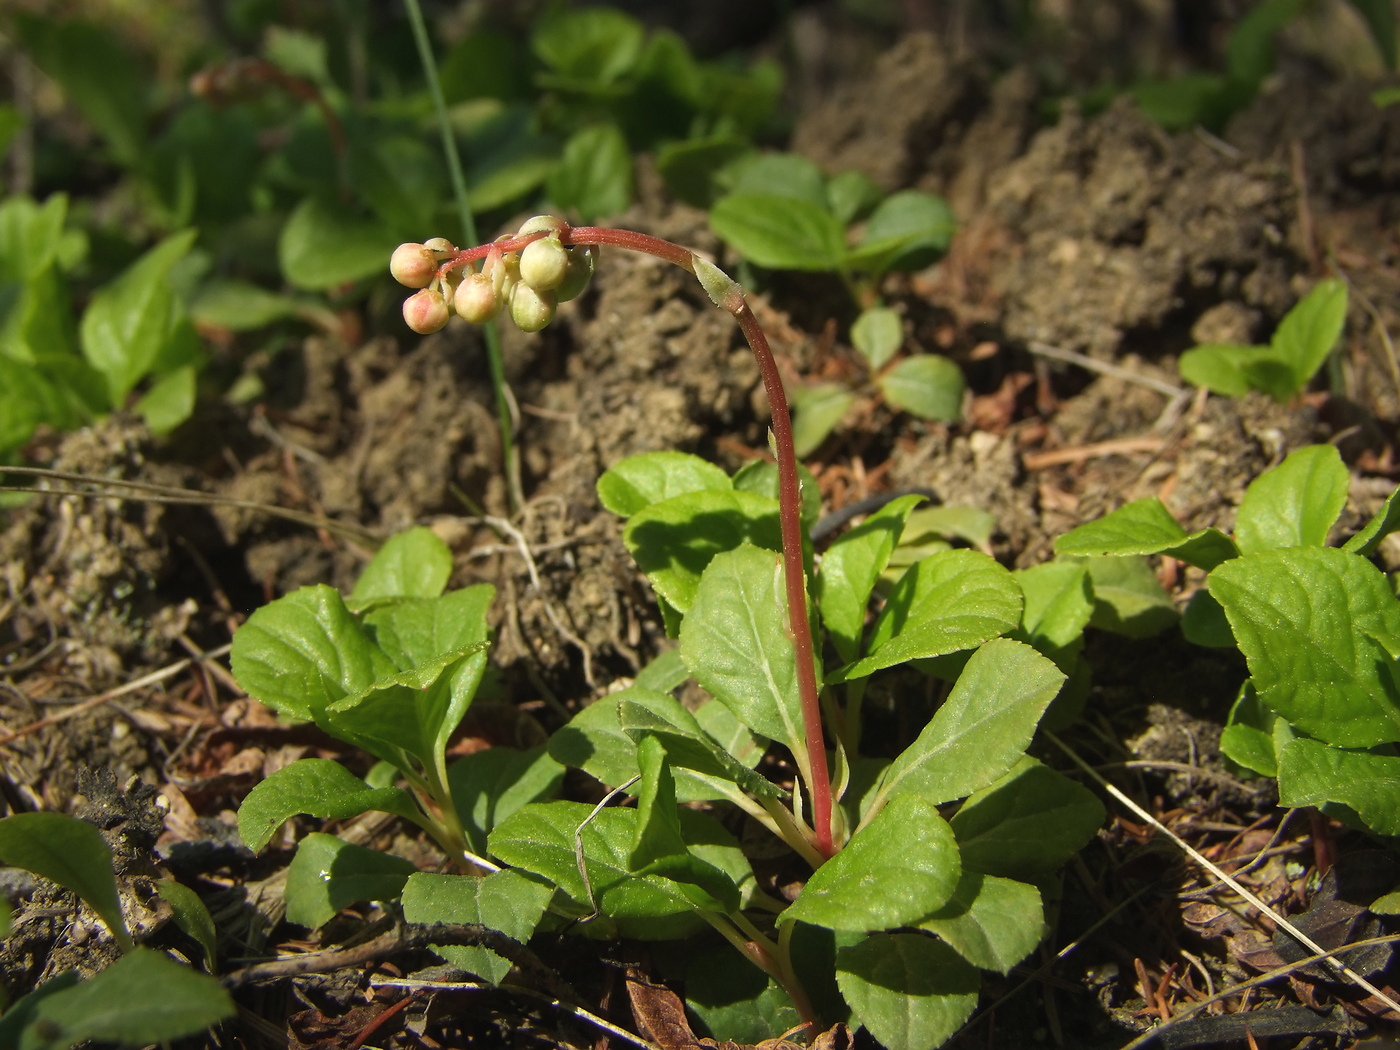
{"x": 1295, "y": 504}
{"x": 929, "y": 386}
{"x": 70, "y": 852}
{"x": 654, "y": 477}
{"x": 317, "y": 787}
{"x": 908, "y": 990}
{"x": 781, "y": 233}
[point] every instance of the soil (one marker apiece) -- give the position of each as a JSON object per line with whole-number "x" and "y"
{"x": 1099, "y": 235}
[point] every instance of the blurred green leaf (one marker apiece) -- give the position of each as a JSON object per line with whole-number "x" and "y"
{"x": 192, "y": 916}
{"x": 909, "y": 230}
{"x": 929, "y": 385}
{"x": 1250, "y": 49}
{"x": 691, "y": 166}
{"x": 782, "y": 233}
{"x": 323, "y": 246}
{"x": 851, "y": 194}
{"x": 170, "y": 401}
{"x": 1380, "y": 19}
{"x": 70, "y": 852}
{"x": 817, "y": 409}
{"x": 240, "y": 306}
{"x": 775, "y": 175}
{"x": 878, "y": 334}
{"x": 594, "y": 176}
{"x": 587, "y": 47}
{"x": 486, "y": 63}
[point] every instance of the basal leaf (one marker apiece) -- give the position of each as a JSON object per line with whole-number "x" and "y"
{"x": 1320, "y": 629}
{"x": 169, "y": 402}
{"x": 953, "y": 522}
{"x": 690, "y": 750}
{"x": 1384, "y": 522}
{"x": 665, "y": 672}
{"x": 504, "y": 900}
{"x": 1059, "y": 604}
{"x": 488, "y": 786}
{"x": 1221, "y": 368}
{"x": 589, "y": 45}
{"x": 1248, "y": 737}
{"x": 144, "y": 997}
{"x": 1142, "y": 527}
{"x": 30, "y": 235}
{"x": 734, "y": 738}
{"x": 851, "y": 566}
{"x": 908, "y": 990}
{"x": 1311, "y": 773}
{"x": 738, "y": 1003}
{"x": 1128, "y": 599}
{"x": 928, "y": 385}
{"x": 1203, "y": 622}
{"x": 817, "y": 409}
{"x": 983, "y": 727}
{"x": 192, "y": 916}
{"x": 319, "y": 788}
{"x": 594, "y": 175}
{"x": 658, "y": 830}
{"x": 992, "y": 923}
{"x": 691, "y": 167}
{"x": 1310, "y": 330}
{"x": 673, "y": 541}
{"x": 411, "y": 564}
{"x": 878, "y": 334}
{"x": 328, "y": 874}
{"x": 907, "y": 231}
{"x": 895, "y": 871}
{"x": 1295, "y": 503}
{"x": 240, "y": 306}
{"x": 324, "y": 245}
{"x": 1027, "y": 824}
{"x": 70, "y": 852}
{"x": 303, "y": 652}
{"x": 129, "y": 321}
{"x": 415, "y": 631}
{"x": 781, "y": 233}
{"x": 761, "y": 478}
{"x": 654, "y": 477}
{"x": 950, "y": 601}
{"x": 736, "y": 643}
{"x": 775, "y": 174}
{"x": 851, "y": 194}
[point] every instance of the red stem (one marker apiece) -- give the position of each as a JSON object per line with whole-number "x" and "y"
{"x": 789, "y": 488}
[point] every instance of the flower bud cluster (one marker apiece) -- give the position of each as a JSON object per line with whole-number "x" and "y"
{"x": 529, "y": 283}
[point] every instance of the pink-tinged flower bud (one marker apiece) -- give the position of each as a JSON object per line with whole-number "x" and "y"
{"x": 440, "y": 246}
{"x": 425, "y": 311}
{"x": 582, "y": 260}
{"x": 544, "y": 263}
{"x": 413, "y": 265}
{"x": 476, "y": 299}
{"x": 529, "y": 309}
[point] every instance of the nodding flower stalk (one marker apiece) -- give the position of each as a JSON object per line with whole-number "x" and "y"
{"x": 548, "y": 262}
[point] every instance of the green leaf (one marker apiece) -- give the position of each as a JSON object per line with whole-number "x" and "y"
{"x": 898, "y": 869}
{"x": 739, "y": 1003}
{"x": 691, "y": 167}
{"x": 654, "y": 477}
{"x": 851, "y": 194}
{"x": 486, "y": 63}
{"x": 319, "y": 788}
{"x": 849, "y": 569}
{"x": 1384, "y": 522}
{"x": 1144, "y": 527}
{"x": 1295, "y": 503}
{"x": 488, "y": 786}
{"x": 909, "y": 230}
{"x": 1128, "y": 599}
{"x": 877, "y": 333}
{"x": 1380, "y": 18}
{"x": 240, "y": 306}
{"x": 734, "y": 738}
{"x": 1059, "y": 604}
{"x": 658, "y": 831}
{"x": 414, "y": 632}
{"x": 1311, "y": 773}
{"x": 169, "y": 402}
{"x": 20, "y": 1013}
{"x": 144, "y": 997}
{"x": 736, "y": 643}
{"x": 1179, "y": 103}
{"x": 6, "y": 918}
{"x": 30, "y": 235}
{"x": 594, "y": 175}
{"x": 1203, "y": 622}
{"x": 928, "y": 385}
{"x": 665, "y": 673}
{"x": 816, "y": 411}
{"x": 908, "y": 990}
{"x": 673, "y": 541}
{"x": 192, "y": 916}
{"x": 411, "y": 564}
{"x": 970, "y": 524}
{"x": 1222, "y": 368}
{"x": 1026, "y": 824}
{"x": 505, "y": 900}
{"x": 323, "y": 245}
{"x": 1250, "y": 48}
{"x": 689, "y": 747}
{"x": 983, "y": 727}
{"x": 328, "y": 875}
{"x": 590, "y": 46}
{"x": 1248, "y": 737}
{"x": 781, "y": 233}
{"x": 1310, "y": 330}
{"x": 131, "y": 320}
{"x": 761, "y": 478}
{"x": 98, "y": 76}
{"x": 992, "y": 923}
{"x": 595, "y": 741}
{"x": 70, "y": 852}
{"x": 540, "y": 838}
{"x": 305, "y": 651}
{"x": 1319, "y": 629}
{"x": 776, "y": 175}
{"x": 950, "y": 601}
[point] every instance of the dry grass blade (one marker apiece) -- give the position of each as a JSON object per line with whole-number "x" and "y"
{"x": 150, "y": 492}
{"x": 1293, "y": 931}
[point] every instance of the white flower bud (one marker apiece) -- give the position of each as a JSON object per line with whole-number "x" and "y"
{"x": 476, "y": 299}
{"x": 538, "y": 223}
{"x": 582, "y": 261}
{"x": 425, "y": 311}
{"x": 544, "y": 264}
{"x": 529, "y": 309}
{"x": 440, "y": 246}
{"x": 413, "y": 265}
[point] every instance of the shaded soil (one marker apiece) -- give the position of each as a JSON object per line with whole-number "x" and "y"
{"x": 1103, "y": 236}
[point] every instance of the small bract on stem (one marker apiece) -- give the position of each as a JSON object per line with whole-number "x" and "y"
{"x": 548, "y": 262}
